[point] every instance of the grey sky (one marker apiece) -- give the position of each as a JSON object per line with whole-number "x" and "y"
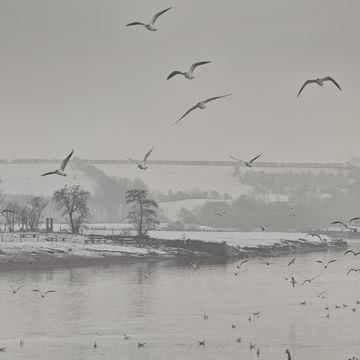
{"x": 73, "y": 76}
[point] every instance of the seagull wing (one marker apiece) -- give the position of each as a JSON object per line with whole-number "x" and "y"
{"x": 8, "y": 210}
{"x": 187, "y": 113}
{"x": 236, "y": 159}
{"x": 255, "y": 158}
{"x": 135, "y": 162}
{"x": 215, "y": 98}
{"x": 243, "y": 262}
{"x": 339, "y": 223}
{"x": 195, "y": 65}
{"x": 319, "y": 261}
{"x": 329, "y": 78}
{"x": 65, "y": 161}
{"x": 292, "y": 262}
{"x": 49, "y": 173}
{"x": 19, "y": 287}
{"x": 148, "y": 154}
{"x": 349, "y": 252}
{"x": 159, "y": 14}
{"x": 38, "y": 291}
{"x": 331, "y": 261}
{"x": 307, "y": 82}
{"x": 354, "y": 219}
{"x": 50, "y": 291}
{"x": 351, "y": 270}
{"x": 136, "y": 23}
{"x": 174, "y": 73}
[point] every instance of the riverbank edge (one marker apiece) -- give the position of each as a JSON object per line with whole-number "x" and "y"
{"x": 172, "y": 249}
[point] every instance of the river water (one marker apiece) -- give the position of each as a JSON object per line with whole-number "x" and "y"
{"x": 162, "y": 304}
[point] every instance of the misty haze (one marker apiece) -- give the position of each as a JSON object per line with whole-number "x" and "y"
{"x": 179, "y": 180}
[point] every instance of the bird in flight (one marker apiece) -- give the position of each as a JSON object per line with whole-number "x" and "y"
{"x": 142, "y": 164}
{"x": 320, "y": 82}
{"x": 14, "y": 291}
{"x": 151, "y": 25}
{"x": 8, "y": 211}
{"x": 60, "y": 171}
{"x": 190, "y": 73}
{"x": 293, "y": 282}
{"x": 246, "y": 163}
{"x": 201, "y": 105}
{"x": 325, "y": 264}
{"x": 310, "y": 280}
{"x": 291, "y": 262}
{"x": 194, "y": 265}
{"x": 222, "y": 213}
{"x": 238, "y": 266}
{"x": 43, "y": 294}
{"x": 315, "y": 235}
{"x": 352, "y": 270}
{"x": 201, "y": 342}
{"x": 141, "y": 345}
{"x": 352, "y": 252}
{"x": 321, "y": 294}
{"x": 2, "y": 349}
{"x": 263, "y": 227}
{"x": 354, "y": 219}
{"x": 346, "y": 226}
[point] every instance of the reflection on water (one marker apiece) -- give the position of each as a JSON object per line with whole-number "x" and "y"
{"x": 162, "y": 304}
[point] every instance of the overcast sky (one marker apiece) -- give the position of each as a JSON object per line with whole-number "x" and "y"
{"x": 73, "y": 76}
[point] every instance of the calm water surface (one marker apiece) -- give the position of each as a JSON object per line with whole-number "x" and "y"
{"x": 165, "y": 310}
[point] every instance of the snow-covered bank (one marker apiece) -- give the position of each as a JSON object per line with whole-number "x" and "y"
{"x": 60, "y": 249}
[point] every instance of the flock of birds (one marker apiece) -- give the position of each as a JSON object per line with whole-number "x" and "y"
{"x": 295, "y": 278}
{"x": 189, "y": 74}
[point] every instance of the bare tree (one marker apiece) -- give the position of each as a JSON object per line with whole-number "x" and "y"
{"x": 143, "y": 211}
{"x": 35, "y": 207}
{"x": 73, "y": 202}
{"x": 10, "y": 213}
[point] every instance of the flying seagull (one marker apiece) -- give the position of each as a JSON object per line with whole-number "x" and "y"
{"x": 310, "y": 280}
{"x": 193, "y": 265}
{"x": 238, "y": 266}
{"x": 45, "y": 293}
{"x": 14, "y": 291}
{"x": 201, "y": 105}
{"x": 345, "y": 225}
{"x": 354, "y": 219}
{"x": 351, "y": 270}
{"x": 325, "y": 264}
{"x": 188, "y": 74}
{"x": 291, "y": 262}
{"x": 151, "y": 26}
{"x": 263, "y": 227}
{"x": 220, "y": 213}
{"x": 352, "y": 252}
{"x": 142, "y": 164}
{"x": 60, "y": 171}
{"x": 319, "y": 82}
{"x": 315, "y": 235}
{"x": 246, "y": 163}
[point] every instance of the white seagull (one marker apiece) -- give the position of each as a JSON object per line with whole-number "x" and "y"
{"x": 142, "y": 164}
{"x": 60, "y": 171}
{"x": 190, "y": 73}
{"x": 247, "y": 163}
{"x": 319, "y": 82}
{"x": 201, "y": 105}
{"x": 45, "y": 293}
{"x": 151, "y": 25}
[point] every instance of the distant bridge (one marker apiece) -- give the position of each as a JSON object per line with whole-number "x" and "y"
{"x": 289, "y": 165}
